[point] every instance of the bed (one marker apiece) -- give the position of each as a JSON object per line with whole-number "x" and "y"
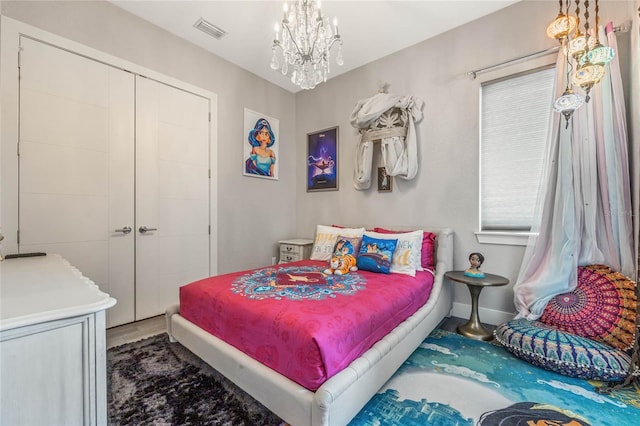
{"x": 325, "y": 397}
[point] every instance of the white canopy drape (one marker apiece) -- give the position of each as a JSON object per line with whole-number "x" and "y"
{"x": 584, "y": 207}
{"x": 399, "y": 150}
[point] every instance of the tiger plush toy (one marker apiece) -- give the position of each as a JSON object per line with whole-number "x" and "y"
{"x": 341, "y": 265}
{"x": 343, "y": 261}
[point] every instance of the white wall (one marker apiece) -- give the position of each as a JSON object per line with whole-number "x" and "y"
{"x": 247, "y": 231}
{"x": 444, "y": 193}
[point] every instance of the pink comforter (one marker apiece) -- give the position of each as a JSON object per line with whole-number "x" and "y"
{"x": 306, "y": 325}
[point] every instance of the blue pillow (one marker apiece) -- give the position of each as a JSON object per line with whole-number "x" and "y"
{"x": 563, "y": 352}
{"x": 375, "y": 254}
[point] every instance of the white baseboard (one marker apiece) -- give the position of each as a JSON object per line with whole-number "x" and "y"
{"x": 487, "y": 316}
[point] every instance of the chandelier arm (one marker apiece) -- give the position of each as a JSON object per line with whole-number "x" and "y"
{"x": 291, "y": 38}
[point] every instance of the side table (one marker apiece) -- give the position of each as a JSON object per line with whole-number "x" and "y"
{"x": 474, "y": 328}
{"x": 295, "y": 249}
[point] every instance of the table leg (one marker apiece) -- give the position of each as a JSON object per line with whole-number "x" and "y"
{"x": 474, "y": 328}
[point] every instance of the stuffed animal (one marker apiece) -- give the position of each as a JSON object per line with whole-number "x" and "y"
{"x": 341, "y": 265}
{"x": 343, "y": 260}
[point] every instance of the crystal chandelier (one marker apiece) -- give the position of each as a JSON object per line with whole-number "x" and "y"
{"x": 305, "y": 41}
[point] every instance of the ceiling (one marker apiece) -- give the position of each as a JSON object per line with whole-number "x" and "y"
{"x": 369, "y": 29}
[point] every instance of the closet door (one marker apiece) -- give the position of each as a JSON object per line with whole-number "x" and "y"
{"x": 172, "y": 193}
{"x": 76, "y": 153}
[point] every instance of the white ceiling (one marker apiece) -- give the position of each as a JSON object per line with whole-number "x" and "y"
{"x": 370, "y": 29}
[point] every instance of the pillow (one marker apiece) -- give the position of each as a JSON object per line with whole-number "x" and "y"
{"x": 325, "y": 240}
{"x": 563, "y": 352}
{"x": 427, "y": 260}
{"x": 375, "y": 254}
{"x": 406, "y": 258}
{"x": 602, "y": 307}
{"x": 347, "y": 245}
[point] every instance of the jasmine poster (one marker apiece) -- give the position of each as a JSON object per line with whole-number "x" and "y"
{"x": 260, "y": 145}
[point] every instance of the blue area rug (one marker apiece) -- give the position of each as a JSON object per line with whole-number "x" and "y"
{"x": 453, "y": 380}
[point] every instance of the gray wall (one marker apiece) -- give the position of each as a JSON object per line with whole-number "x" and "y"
{"x": 445, "y": 191}
{"x": 247, "y": 232}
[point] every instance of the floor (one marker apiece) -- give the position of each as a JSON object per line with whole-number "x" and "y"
{"x": 138, "y": 330}
{"x": 128, "y": 333}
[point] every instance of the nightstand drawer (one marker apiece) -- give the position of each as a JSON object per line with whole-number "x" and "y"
{"x": 296, "y": 249}
{"x": 291, "y": 249}
{"x": 289, "y": 257}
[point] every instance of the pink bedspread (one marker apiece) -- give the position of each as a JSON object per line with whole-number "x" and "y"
{"x": 306, "y": 325}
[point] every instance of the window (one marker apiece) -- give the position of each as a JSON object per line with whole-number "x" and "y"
{"x": 515, "y": 116}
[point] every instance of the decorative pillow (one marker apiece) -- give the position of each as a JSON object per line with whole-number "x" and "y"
{"x": 602, "y": 307}
{"x": 563, "y": 352}
{"x": 427, "y": 252}
{"x": 375, "y": 254}
{"x": 347, "y": 245}
{"x": 326, "y": 237}
{"x": 406, "y": 258}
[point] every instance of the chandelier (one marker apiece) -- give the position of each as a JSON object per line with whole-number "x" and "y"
{"x": 304, "y": 42}
{"x": 582, "y": 49}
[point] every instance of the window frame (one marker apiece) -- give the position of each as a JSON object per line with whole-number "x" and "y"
{"x": 503, "y": 236}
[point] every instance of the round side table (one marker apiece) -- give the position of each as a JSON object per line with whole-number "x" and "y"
{"x": 474, "y": 328}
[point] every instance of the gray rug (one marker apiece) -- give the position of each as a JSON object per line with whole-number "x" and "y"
{"x": 154, "y": 382}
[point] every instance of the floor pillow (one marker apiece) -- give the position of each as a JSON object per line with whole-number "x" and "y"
{"x": 563, "y": 352}
{"x": 602, "y": 307}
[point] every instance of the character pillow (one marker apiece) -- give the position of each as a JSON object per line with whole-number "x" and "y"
{"x": 343, "y": 259}
{"x": 375, "y": 254}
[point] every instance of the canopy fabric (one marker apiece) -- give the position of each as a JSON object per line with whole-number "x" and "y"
{"x": 399, "y": 152}
{"x": 583, "y": 213}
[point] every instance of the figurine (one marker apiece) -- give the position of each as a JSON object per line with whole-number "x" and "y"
{"x": 476, "y": 260}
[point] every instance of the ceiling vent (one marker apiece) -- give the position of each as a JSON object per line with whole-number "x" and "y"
{"x": 209, "y": 28}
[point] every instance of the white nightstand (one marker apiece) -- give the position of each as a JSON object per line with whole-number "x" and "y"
{"x": 295, "y": 249}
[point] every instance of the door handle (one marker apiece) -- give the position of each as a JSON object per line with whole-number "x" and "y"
{"x": 125, "y": 230}
{"x": 144, "y": 229}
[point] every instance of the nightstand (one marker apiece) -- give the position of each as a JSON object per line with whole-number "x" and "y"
{"x": 296, "y": 249}
{"x": 474, "y": 328}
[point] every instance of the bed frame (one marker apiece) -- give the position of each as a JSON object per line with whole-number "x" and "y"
{"x": 341, "y": 397}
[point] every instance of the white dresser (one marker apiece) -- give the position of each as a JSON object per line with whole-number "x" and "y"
{"x": 295, "y": 249}
{"x": 52, "y": 344}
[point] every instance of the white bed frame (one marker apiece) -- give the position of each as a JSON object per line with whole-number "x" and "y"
{"x": 341, "y": 397}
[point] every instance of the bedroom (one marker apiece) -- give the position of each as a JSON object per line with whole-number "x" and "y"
{"x": 443, "y": 194}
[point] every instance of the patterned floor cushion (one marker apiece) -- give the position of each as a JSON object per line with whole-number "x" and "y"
{"x": 563, "y": 352}
{"x": 602, "y": 307}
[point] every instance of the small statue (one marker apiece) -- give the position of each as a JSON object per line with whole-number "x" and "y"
{"x": 475, "y": 260}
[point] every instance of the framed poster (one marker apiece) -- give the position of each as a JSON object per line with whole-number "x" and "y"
{"x": 260, "y": 145}
{"x": 322, "y": 160}
{"x": 385, "y": 182}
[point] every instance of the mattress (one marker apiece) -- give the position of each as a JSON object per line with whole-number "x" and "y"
{"x": 302, "y": 323}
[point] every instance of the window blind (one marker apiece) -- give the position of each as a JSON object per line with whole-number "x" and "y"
{"x": 515, "y": 117}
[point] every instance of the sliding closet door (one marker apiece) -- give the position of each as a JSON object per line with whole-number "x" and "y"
{"x": 76, "y": 153}
{"x": 172, "y": 193}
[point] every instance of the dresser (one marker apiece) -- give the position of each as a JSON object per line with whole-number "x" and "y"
{"x": 52, "y": 344}
{"x": 295, "y": 249}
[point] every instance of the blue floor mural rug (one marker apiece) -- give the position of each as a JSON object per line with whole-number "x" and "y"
{"x": 453, "y": 380}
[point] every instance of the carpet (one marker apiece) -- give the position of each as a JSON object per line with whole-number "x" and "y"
{"x": 448, "y": 380}
{"x": 155, "y": 382}
{"x": 453, "y": 380}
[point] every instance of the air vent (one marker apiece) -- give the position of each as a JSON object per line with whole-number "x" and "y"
{"x": 209, "y": 28}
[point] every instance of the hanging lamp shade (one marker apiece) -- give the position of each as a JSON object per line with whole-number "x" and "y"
{"x": 561, "y": 27}
{"x": 578, "y": 45}
{"x": 568, "y": 103}
{"x": 600, "y": 54}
